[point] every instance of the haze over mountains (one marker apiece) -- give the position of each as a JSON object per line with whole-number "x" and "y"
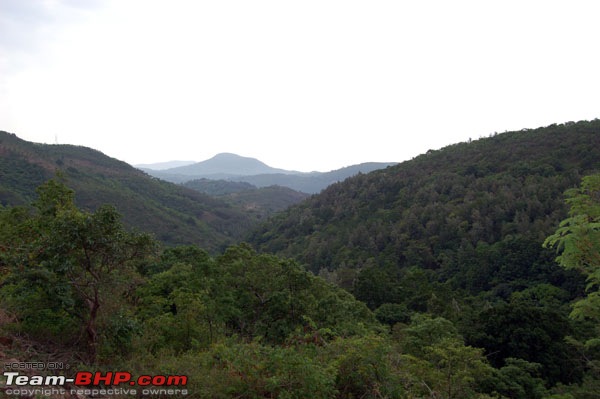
{"x": 236, "y": 168}
{"x": 226, "y": 164}
{"x": 163, "y": 165}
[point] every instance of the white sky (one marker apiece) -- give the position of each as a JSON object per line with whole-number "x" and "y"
{"x": 304, "y": 85}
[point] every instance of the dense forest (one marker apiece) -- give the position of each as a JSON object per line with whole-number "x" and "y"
{"x": 472, "y": 216}
{"x": 468, "y": 272}
{"x": 457, "y": 233}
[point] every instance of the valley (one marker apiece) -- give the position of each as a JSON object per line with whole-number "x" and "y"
{"x": 465, "y": 272}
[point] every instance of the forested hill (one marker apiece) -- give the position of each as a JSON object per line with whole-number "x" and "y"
{"x": 473, "y": 213}
{"x": 175, "y": 214}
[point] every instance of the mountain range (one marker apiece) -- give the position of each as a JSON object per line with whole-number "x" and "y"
{"x": 364, "y": 218}
{"x": 236, "y": 168}
{"x": 225, "y": 165}
{"x": 211, "y": 213}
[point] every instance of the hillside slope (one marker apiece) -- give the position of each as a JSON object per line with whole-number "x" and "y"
{"x": 175, "y": 214}
{"x": 474, "y": 214}
{"x": 260, "y": 203}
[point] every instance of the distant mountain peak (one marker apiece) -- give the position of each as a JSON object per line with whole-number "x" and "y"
{"x": 226, "y": 163}
{"x": 229, "y": 155}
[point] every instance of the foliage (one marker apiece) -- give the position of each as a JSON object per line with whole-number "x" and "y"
{"x": 535, "y": 334}
{"x": 218, "y": 187}
{"x": 192, "y": 305}
{"x": 241, "y": 324}
{"x": 436, "y": 361}
{"x": 258, "y": 203}
{"x": 367, "y": 367}
{"x": 577, "y": 241}
{"x": 518, "y": 379}
{"x": 473, "y": 213}
{"x": 457, "y": 233}
{"x": 69, "y": 268}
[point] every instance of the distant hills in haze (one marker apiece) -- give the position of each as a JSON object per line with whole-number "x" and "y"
{"x": 236, "y": 168}
{"x": 163, "y": 165}
{"x": 224, "y": 165}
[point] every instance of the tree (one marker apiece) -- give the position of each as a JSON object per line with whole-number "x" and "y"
{"x": 578, "y": 241}
{"x": 518, "y": 379}
{"x": 437, "y": 363}
{"x": 186, "y": 305}
{"x": 75, "y": 264}
{"x": 521, "y": 330}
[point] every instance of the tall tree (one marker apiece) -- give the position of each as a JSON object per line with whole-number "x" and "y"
{"x": 83, "y": 263}
{"x": 578, "y": 242}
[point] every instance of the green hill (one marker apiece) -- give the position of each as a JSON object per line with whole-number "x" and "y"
{"x": 474, "y": 214}
{"x": 259, "y": 203}
{"x": 265, "y": 201}
{"x": 458, "y": 233}
{"x": 218, "y": 188}
{"x": 174, "y": 214}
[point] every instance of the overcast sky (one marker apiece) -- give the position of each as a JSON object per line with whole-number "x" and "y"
{"x": 304, "y": 85}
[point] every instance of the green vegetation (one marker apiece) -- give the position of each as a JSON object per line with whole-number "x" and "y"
{"x": 258, "y": 203}
{"x": 437, "y": 278}
{"x": 218, "y": 187}
{"x": 464, "y": 222}
{"x": 578, "y": 242}
{"x": 65, "y": 266}
{"x": 458, "y": 234}
{"x": 240, "y": 324}
{"x": 244, "y": 324}
{"x": 465, "y": 203}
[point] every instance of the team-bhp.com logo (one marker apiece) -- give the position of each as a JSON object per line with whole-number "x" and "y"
{"x": 96, "y": 383}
